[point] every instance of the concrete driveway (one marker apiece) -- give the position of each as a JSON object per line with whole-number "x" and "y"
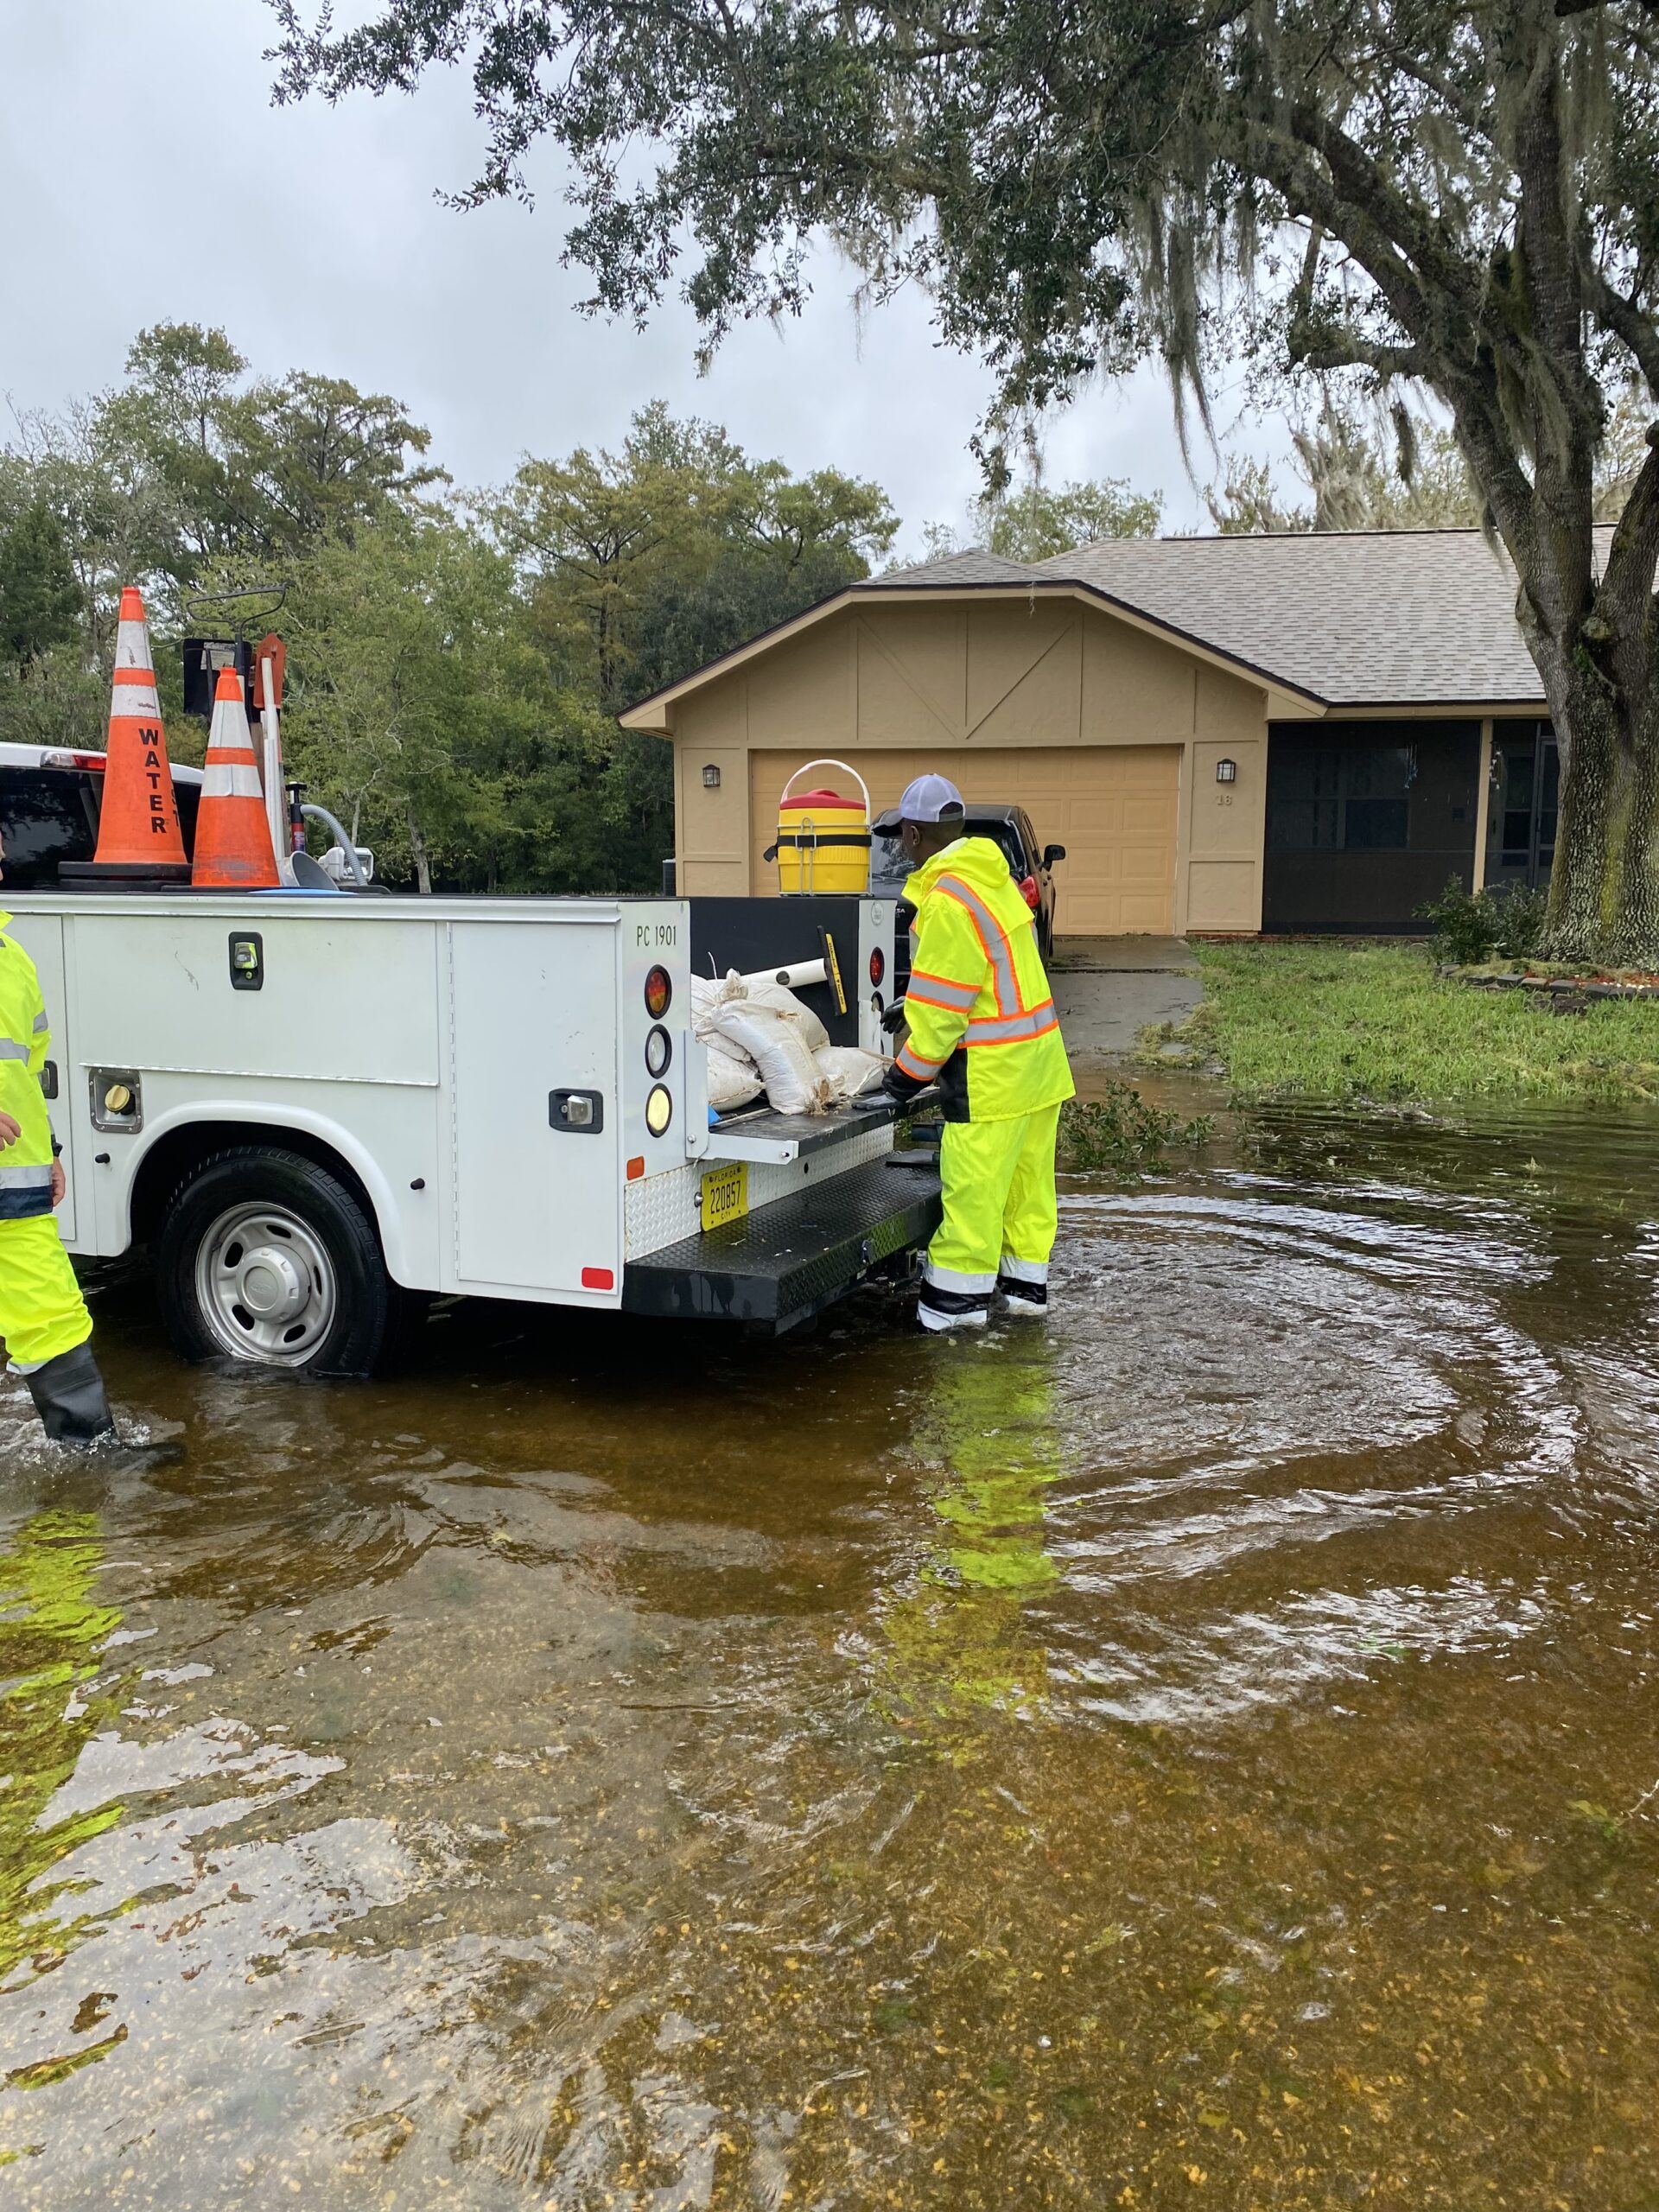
{"x": 1110, "y": 988}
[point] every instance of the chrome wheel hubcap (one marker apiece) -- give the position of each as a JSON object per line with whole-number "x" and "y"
{"x": 265, "y": 1285}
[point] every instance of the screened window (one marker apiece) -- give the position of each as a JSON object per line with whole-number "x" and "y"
{"x": 1336, "y": 799}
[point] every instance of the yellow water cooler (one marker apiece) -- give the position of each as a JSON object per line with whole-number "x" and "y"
{"x": 823, "y": 838}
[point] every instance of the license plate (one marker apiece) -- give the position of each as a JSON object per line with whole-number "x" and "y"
{"x": 725, "y": 1194}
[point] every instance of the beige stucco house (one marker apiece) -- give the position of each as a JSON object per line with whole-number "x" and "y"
{"x": 1226, "y": 734}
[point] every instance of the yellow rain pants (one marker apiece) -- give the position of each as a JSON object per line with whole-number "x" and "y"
{"x": 1000, "y": 1217}
{"x": 42, "y": 1313}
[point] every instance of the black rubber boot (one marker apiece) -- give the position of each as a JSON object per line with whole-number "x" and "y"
{"x": 68, "y": 1394}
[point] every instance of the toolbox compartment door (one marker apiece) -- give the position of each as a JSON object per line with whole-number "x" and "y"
{"x": 538, "y": 1200}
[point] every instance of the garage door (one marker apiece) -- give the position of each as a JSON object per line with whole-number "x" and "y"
{"x": 1114, "y": 808}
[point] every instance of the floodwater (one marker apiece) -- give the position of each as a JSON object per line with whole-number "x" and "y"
{"x": 1206, "y": 1753}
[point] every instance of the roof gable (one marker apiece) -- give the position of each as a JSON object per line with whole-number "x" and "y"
{"x": 1343, "y": 619}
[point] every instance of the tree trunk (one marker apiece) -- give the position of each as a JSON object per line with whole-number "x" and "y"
{"x": 1603, "y": 890}
{"x": 1634, "y": 938}
{"x": 1603, "y": 887}
{"x": 418, "y": 854}
{"x": 1588, "y": 735}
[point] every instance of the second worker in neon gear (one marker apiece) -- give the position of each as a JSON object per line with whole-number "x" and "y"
{"x": 982, "y": 1027}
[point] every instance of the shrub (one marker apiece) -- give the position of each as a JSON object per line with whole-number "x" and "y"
{"x": 1463, "y": 923}
{"x": 1470, "y": 926}
{"x": 1520, "y": 919}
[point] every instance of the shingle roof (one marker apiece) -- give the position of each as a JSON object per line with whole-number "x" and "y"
{"x": 957, "y": 570}
{"x": 1360, "y": 618}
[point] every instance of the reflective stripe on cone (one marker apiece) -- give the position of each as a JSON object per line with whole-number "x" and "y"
{"x": 233, "y": 847}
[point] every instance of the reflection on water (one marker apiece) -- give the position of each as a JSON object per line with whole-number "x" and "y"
{"x": 1204, "y": 1751}
{"x": 52, "y": 1631}
{"x": 958, "y": 1635}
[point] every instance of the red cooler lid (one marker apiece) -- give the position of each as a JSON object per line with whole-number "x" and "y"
{"x": 825, "y": 798}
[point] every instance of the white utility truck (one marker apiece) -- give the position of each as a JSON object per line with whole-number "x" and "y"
{"x": 307, "y": 1105}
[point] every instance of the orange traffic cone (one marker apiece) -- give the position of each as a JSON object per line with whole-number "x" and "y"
{"x": 138, "y": 829}
{"x": 233, "y": 847}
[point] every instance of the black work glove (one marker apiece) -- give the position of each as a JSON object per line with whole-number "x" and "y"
{"x": 897, "y": 1084}
{"x": 894, "y": 1019}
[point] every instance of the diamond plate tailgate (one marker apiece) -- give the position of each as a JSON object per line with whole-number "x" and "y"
{"x": 789, "y": 1258}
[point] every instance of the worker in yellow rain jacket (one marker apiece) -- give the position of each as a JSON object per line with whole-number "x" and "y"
{"x": 43, "y": 1317}
{"x": 984, "y": 1026}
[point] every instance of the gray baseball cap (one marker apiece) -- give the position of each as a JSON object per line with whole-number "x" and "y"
{"x": 929, "y": 798}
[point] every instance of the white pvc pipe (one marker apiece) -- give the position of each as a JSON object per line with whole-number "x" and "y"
{"x": 275, "y": 791}
{"x": 792, "y": 977}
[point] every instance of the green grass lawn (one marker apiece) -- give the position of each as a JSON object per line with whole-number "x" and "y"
{"x": 1375, "y": 1021}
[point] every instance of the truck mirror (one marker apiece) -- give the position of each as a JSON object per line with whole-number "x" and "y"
{"x": 1052, "y": 853}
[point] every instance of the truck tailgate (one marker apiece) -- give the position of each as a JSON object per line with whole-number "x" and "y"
{"x": 785, "y": 1260}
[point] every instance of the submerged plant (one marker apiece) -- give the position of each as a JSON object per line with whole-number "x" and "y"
{"x": 1119, "y": 1134}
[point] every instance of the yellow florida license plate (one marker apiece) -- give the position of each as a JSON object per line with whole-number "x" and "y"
{"x": 725, "y": 1194}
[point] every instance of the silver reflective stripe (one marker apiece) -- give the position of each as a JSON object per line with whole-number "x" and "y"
{"x": 930, "y": 1319}
{"x": 1007, "y": 989}
{"x": 26, "y": 1178}
{"x": 948, "y": 1279}
{"x": 933, "y": 990}
{"x": 1009, "y": 1028}
{"x": 41, "y": 1023}
{"x": 11, "y": 1049}
{"x": 1012, "y": 1270}
{"x": 135, "y": 702}
{"x": 222, "y": 781}
{"x": 921, "y": 1069}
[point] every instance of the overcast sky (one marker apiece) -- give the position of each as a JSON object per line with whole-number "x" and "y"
{"x": 148, "y": 179}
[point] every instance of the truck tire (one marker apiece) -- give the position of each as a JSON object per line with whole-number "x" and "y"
{"x": 266, "y": 1256}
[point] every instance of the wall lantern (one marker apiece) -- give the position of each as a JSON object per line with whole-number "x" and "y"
{"x": 711, "y": 778}
{"x": 1226, "y": 771}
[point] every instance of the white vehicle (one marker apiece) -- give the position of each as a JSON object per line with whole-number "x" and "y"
{"x": 307, "y": 1105}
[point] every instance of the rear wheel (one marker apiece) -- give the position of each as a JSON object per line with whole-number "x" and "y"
{"x": 266, "y": 1256}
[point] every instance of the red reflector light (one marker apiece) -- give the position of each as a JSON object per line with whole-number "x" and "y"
{"x": 1030, "y": 894}
{"x": 636, "y": 1168}
{"x": 659, "y": 989}
{"x": 878, "y": 966}
{"x": 598, "y": 1279}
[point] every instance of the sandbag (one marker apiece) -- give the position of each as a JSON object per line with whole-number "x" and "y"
{"x": 813, "y": 1034}
{"x": 771, "y": 1027}
{"x": 772, "y": 1040}
{"x": 705, "y": 997}
{"x": 733, "y": 1081}
{"x": 850, "y": 1071}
